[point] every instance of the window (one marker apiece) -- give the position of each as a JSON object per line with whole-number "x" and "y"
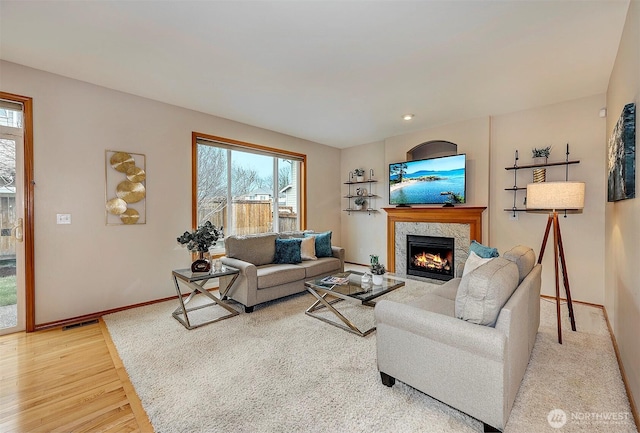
{"x": 241, "y": 186}
{"x": 10, "y": 114}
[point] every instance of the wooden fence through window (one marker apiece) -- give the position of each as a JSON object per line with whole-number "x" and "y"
{"x": 252, "y": 216}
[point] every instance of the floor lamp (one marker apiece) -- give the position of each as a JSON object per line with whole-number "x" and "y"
{"x": 553, "y": 196}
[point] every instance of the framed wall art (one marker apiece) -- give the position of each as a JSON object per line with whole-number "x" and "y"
{"x": 125, "y": 188}
{"x": 622, "y": 156}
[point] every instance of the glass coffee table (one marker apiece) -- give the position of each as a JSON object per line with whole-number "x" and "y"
{"x": 351, "y": 291}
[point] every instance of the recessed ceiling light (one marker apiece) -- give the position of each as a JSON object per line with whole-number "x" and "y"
{"x": 408, "y": 116}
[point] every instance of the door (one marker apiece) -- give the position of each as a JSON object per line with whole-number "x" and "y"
{"x": 12, "y": 251}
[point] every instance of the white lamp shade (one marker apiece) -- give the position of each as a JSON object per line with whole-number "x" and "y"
{"x": 555, "y": 195}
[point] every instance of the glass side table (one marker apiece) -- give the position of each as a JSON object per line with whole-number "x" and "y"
{"x": 195, "y": 282}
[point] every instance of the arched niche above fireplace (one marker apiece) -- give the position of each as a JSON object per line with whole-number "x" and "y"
{"x": 432, "y": 149}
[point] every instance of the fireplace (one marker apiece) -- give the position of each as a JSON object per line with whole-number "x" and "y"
{"x": 430, "y": 257}
{"x": 463, "y": 223}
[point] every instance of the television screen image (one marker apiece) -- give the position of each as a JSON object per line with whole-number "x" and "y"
{"x": 428, "y": 181}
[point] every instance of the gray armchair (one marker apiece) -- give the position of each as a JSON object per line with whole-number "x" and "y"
{"x": 475, "y": 368}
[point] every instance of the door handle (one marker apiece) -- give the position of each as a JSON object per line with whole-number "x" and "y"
{"x": 17, "y": 231}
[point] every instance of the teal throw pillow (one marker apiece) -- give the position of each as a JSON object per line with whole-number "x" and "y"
{"x": 483, "y": 251}
{"x": 323, "y": 243}
{"x": 288, "y": 251}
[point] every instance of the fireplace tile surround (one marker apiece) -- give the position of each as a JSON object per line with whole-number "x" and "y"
{"x": 459, "y": 232}
{"x": 463, "y": 223}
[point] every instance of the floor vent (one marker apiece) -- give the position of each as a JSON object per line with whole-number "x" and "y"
{"x": 77, "y": 325}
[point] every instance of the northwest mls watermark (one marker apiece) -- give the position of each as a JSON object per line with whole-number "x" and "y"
{"x": 558, "y": 418}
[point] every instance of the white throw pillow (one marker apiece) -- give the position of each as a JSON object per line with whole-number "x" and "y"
{"x": 473, "y": 262}
{"x": 308, "y": 249}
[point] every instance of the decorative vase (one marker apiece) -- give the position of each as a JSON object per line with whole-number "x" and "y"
{"x": 365, "y": 281}
{"x": 201, "y": 264}
{"x": 539, "y": 175}
{"x": 359, "y": 178}
{"x": 358, "y": 207}
{"x": 538, "y": 160}
{"x": 377, "y": 280}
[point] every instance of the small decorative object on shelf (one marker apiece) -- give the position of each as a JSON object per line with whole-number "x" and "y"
{"x": 540, "y": 156}
{"x": 377, "y": 269}
{"x": 543, "y": 153}
{"x": 359, "y": 202}
{"x": 539, "y": 175}
{"x": 359, "y": 174}
{"x": 199, "y": 241}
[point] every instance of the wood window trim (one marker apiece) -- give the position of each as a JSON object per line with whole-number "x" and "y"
{"x": 194, "y": 171}
{"x": 29, "y": 242}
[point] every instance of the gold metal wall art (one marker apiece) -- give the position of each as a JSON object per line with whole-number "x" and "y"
{"x": 130, "y": 216}
{"x": 125, "y": 188}
{"x": 131, "y": 192}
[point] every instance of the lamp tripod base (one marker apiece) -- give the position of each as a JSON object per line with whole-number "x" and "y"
{"x": 558, "y": 254}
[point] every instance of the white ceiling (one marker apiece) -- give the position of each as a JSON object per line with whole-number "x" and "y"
{"x": 340, "y": 73}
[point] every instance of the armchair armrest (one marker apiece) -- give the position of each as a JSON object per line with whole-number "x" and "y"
{"x": 479, "y": 340}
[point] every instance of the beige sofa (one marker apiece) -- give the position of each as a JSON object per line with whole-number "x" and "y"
{"x": 261, "y": 279}
{"x": 469, "y": 343}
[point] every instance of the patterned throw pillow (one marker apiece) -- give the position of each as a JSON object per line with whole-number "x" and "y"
{"x": 323, "y": 243}
{"x": 288, "y": 251}
{"x": 483, "y": 251}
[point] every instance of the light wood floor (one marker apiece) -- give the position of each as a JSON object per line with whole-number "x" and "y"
{"x": 66, "y": 381}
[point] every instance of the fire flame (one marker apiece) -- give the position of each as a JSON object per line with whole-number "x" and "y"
{"x": 430, "y": 261}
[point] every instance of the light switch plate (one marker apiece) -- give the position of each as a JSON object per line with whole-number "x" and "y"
{"x": 63, "y": 218}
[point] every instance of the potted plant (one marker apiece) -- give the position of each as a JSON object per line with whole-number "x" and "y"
{"x": 359, "y": 174}
{"x": 360, "y": 201}
{"x": 377, "y": 270}
{"x": 542, "y": 153}
{"x": 540, "y": 156}
{"x": 199, "y": 241}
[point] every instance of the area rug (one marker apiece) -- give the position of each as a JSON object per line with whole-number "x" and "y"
{"x": 279, "y": 370}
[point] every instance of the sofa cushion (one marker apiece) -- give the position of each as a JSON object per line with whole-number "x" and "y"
{"x": 323, "y": 243}
{"x": 524, "y": 258}
{"x": 288, "y": 251}
{"x": 448, "y": 290}
{"x": 482, "y": 250}
{"x": 483, "y": 291}
{"x": 473, "y": 261}
{"x": 436, "y": 304}
{"x": 257, "y": 249}
{"x": 323, "y": 265}
{"x": 275, "y": 275}
{"x": 308, "y": 249}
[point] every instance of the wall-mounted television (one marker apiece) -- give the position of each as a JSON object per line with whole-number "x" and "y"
{"x": 428, "y": 181}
